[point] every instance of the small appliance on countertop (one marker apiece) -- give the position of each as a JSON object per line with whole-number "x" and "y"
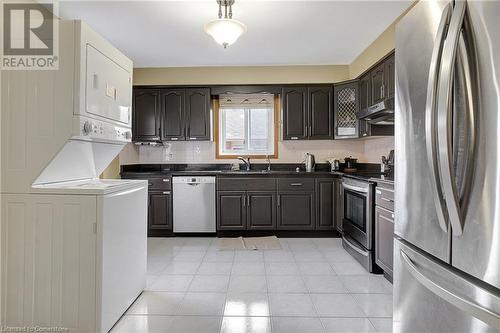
{"x": 334, "y": 165}
{"x": 350, "y": 164}
{"x": 309, "y": 162}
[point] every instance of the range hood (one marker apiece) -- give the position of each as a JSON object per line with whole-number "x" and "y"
{"x": 381, "y": 113}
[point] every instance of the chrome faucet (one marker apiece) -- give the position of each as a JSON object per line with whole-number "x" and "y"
{"x": 268, "y": 163}
{"x": 246, "y": 161}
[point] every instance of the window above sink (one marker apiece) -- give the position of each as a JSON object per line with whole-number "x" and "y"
{"x": 246, "y": 126}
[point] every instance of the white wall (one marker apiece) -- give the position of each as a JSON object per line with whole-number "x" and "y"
{"x": 368, "y": 150}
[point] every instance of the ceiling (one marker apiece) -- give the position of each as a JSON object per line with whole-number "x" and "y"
{"x": 170, "y": 33}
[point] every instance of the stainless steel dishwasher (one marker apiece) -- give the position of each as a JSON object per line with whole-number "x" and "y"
{"x": 194, "y": 204}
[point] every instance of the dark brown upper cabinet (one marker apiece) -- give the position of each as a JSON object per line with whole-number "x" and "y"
{"x": 146, "y": 115}
{"x": 383, "y": 80}
{"x": 172, "y": 114}
{"x": 307, "y": 113}
{"x": 320, "y": 112}
{"x": 390, "y": 76}
{"x": 346, "y": 106}
{"x": 365, "y": 99}
{"x": 378, "y": 83}
{"x": 374, "y": 86}
{"x": 365, "y": 93}
{"x": 295, "y": 115}
{"x": 197, "y": 113}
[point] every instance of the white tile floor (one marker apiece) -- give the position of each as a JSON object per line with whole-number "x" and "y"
{"x": 311, "y": 285}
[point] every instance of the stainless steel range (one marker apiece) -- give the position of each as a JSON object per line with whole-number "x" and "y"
{"x": 357, "y": 221}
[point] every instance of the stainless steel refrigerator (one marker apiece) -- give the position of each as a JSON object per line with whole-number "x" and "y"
{"x": 447, "y": 176}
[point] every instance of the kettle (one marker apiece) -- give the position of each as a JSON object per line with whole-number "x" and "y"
{"x": 309, "y": 162}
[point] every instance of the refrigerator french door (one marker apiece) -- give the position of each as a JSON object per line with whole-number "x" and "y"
{"x": 447, "y": 209}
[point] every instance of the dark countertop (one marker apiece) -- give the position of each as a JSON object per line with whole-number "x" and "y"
{"x": 227, "y": 173}
{"x": 383, "y": 179}
{"x": 366, "y": 171}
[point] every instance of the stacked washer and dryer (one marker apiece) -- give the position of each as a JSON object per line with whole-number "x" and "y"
{"x": 73, "y": 247}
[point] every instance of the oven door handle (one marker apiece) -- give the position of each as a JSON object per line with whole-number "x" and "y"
{"x": 355, "y": 188}
{"x": 355, "y": 247}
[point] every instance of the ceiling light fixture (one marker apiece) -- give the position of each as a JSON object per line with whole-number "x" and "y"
{"x": 225, "y": 31}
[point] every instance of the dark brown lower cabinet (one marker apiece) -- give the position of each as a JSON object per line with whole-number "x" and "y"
{"x": 296, "y": 211}
{"x": 231, "y": 210}
{"x": 337, "y": 187}
{"x": 325, "y": 204}
{"x": 160, "y": 210}
{"x": 250, "y": 210}
{"x": 261, "y": 210}
{"x": 384, "y": 240}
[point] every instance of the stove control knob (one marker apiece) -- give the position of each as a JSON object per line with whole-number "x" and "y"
{"x": 128, "y": 135}
{"x": 87, "y": 127}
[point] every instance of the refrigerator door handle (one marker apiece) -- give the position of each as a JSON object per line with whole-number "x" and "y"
{"x": 470, "y": 306}
{"x": 444, "y": 117}
{"x": 430, "y": 118}
{"x": 468, "y": 63}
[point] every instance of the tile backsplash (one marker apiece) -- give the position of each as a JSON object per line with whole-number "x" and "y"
{"x": 367, "y": 150}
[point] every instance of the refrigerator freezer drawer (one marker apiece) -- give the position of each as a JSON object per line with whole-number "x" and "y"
{"x": 430, "y": 296}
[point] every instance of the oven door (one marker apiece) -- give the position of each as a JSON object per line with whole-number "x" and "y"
{"x": 357, "y": 212}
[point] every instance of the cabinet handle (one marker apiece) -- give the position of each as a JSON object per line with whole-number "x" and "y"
{"x": 296, "y": 184}
{"x": 174, "y": 139}
{"x": 166, "y": 180}
{"x": 279, "y": 200}
{"x": 150, "y": 184}
{"x": 166, "y": 192}
{"x": 294, "y": 138}
{"x": 244, "y": 201}
{"x": 248, "y": 200}
{"x": 378, "y": 192}
{"x": 192, "y": 138}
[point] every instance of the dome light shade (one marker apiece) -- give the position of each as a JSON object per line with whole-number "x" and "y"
{"x": 225, "y": 31}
